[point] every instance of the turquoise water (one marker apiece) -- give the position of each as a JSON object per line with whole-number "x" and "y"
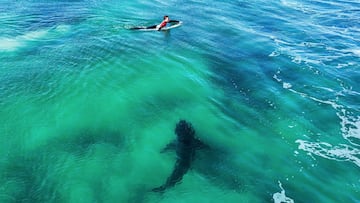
{"x": 87, "y": 105}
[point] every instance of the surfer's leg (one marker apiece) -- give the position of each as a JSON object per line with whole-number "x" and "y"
{"x": 151, "y": 27}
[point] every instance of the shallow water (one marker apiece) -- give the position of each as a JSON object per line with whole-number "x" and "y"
{"x": 87, "y": 105}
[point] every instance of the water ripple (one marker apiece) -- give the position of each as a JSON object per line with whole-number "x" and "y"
{"x": 82, "y": 98}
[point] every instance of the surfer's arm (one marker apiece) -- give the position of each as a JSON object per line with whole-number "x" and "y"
{"x": 161, "y": 25}
{"x": 174, "y": 21}
{"x": 158, "y": 27}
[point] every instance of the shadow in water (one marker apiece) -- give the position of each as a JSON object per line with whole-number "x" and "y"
{"x": 33, "y": 176}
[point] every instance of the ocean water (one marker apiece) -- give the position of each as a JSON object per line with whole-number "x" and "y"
{"x": 272, "y": 87}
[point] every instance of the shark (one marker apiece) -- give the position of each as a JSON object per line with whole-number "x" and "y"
{"x": 185, "y": 145}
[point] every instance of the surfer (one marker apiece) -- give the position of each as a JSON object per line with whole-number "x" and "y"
{"x": 174, "y": 23}
{"x": 161, "y": 25}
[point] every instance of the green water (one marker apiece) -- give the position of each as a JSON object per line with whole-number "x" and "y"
{"x": 87, "y": 105}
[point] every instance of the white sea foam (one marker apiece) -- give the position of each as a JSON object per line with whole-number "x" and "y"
{"x": 274, "y": 54}
{"x": 34, "y": 35}
{"x": 354, "y": 51}
{"x": 297, "y": 59}
{"x": 343, "y": 65}
{"x": 324, "y": 88}
{"x": 350, "y": 128}
{"x": 339, "y": 153}
{"x": 11, "y": 44}
{"x": 287, "y": 85}
{"x": 280, "y": 197}
{"x": 276, "y": 77}
{"x": 62, "y": 28}
{"x": 292, "y": 4}
{"x": 8, "y": 44}
{"x": 349, "y": 123}
{"x": 14, "y": 43}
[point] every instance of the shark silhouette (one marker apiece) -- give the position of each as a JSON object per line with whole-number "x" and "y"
{"x": 185, "y": 146}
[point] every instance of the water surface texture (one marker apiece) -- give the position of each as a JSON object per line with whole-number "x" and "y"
{"x": 87, "y": 105}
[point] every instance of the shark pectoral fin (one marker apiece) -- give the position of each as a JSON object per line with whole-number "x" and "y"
{"x": 200, "y": 145}
{"x": 159, "y": 189}
{"x": 170, "y": 146}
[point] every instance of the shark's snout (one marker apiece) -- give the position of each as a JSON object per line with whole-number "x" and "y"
{"x": 184, "y": 130}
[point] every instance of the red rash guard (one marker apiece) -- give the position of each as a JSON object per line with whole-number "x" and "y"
{"x": 163, "y": 24}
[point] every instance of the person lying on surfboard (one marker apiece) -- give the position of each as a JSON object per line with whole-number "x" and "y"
{"x": 161, "y": 25}
{"x": 174, "y": 23}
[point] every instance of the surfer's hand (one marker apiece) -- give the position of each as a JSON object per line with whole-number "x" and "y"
{"x": 158, "y": 27}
